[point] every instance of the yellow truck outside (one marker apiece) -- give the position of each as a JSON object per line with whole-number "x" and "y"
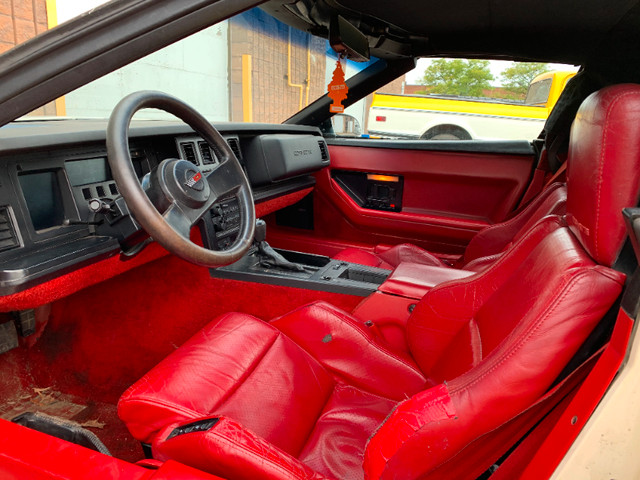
{"x": 441, "y": 117}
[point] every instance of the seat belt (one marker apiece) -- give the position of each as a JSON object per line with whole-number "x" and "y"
{"x": 536, "y": 413}
{"x": 556, "y": 133}
{"x": 485, "y": 452}
{"x": 559, "y": 176}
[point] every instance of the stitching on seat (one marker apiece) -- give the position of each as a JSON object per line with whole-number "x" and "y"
{"x": 549, "y": 310}
{"x": 366, "y": 392}
{"x": 615, "y": 101}
{"x": 173, "y": 406}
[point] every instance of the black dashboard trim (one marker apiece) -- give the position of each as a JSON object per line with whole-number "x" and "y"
{"x": 516, "y": 147}
{"x": 40, "y": 265}
{"x": 31, "y": 135}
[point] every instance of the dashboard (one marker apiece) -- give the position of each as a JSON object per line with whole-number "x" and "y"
{"x": 55, "y": 178}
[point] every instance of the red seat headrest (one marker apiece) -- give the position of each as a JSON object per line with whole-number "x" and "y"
{"x": 603, "y": 174}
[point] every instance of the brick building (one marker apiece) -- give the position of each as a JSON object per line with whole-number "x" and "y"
{"x": 287, "y": 69}
{"x": 21, "y": 20}
{"x": 284, "y": 68}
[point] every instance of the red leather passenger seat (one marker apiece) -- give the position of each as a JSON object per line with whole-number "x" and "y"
{"x": 483, "y": 249}
{"x": 315, "y": 394}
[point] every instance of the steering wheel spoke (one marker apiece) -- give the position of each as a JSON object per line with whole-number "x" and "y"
{"x": 179, "y": 220}
{"x": 224, "y": 181}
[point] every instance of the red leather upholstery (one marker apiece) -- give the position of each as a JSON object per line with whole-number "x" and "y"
{"x": 489, "y": 370}
{"x": 225, "y": 446}
{"x": 315, "y": 406}
{"x": 255, "y": 361}
{"x": 496, "y": 238}
{"x": 314, "y": 391}
{"x": 606, "y": 123}
{"x": 389, "y": 258}
{"x": 414, "y": 280}
{"x": 349, "y": 349}
{"x": 485, "y": 247}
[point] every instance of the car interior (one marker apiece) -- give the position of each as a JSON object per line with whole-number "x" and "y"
{"x": 241, "y": 300}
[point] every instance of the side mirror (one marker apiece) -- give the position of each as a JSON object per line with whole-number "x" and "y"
{"x": 346, "y": 125}
{"x": 346, "y": 39}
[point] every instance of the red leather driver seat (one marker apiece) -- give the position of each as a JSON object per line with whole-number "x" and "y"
{"x": 315, "y": 394}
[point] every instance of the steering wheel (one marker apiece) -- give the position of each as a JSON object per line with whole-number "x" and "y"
{"x": 178, "y": 194}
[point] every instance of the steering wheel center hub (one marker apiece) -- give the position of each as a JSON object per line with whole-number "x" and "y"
{"x": 184, "y": 182}
{"x": 194, "y": 181}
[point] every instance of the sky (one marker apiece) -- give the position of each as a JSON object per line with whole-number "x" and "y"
{"x": 496, "y": 67}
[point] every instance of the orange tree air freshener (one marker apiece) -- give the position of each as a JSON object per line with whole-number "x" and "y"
{"x": 337, "y": 89}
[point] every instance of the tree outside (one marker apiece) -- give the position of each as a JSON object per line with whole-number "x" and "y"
{"x": 458, "y": 77}
{"x": 517, "y": 78}
{"x": 473, "y": 78}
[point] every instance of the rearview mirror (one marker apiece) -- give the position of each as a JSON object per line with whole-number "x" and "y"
{"x": 346, "y": 39}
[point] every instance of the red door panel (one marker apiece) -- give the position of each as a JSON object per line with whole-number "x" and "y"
{"x": 447, "y": 198}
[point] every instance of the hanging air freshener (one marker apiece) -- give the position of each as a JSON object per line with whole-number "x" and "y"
{"x": 337, "y": 89}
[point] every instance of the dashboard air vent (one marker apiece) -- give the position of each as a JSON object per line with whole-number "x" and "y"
{"x": 323, "y": 150}
{"x": 205, "y": 153}
{"x": 8, "y": 237}
{"x": 235, "y": 146}
{"x": 189, "y": 152}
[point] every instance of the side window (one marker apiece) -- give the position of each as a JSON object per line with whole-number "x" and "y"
{"x": 458, "y": 99}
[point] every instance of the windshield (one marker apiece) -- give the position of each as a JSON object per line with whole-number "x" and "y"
{"x": 250, "y": 68}
{"x": 538, "y": 92}
{"x": 254, "y": 68}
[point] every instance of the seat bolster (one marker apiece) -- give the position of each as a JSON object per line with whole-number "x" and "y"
{"x": 482, "y": 263}
{"x": 230, "y": 450}
{"x": 496, "y": 238}
{"x": 445, "y": 309}
{"x": 195, "y": 379}
{"x": 449, "y": 416}
{"x": 348, "y": 349}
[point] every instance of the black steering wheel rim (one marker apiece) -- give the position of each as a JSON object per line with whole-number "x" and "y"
{"x": 156, "y": 224}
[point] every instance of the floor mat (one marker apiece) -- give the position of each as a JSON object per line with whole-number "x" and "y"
{"x": 99, "y": 418}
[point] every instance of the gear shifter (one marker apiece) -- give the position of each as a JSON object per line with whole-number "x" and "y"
{"x": 267, "y": 256}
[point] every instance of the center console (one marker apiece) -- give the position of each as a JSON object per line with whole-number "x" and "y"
{"x": 264, "y": 264}
{"x": 318, "y": 273}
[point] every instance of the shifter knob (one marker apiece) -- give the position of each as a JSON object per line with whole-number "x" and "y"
{"x": 261, "y": 231}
